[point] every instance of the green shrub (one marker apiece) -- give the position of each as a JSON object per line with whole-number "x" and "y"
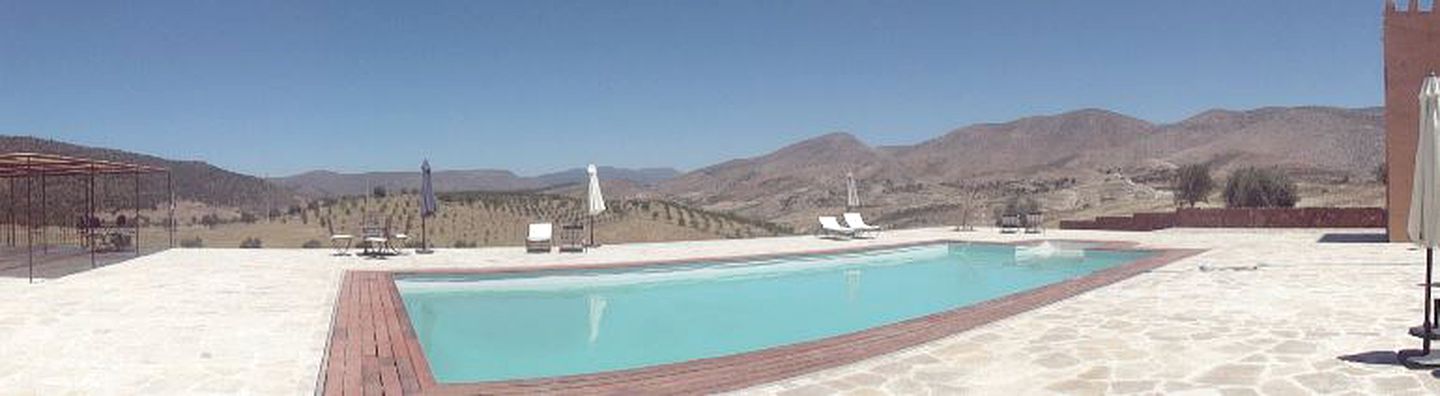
{"x": 312, "y": 244}
{"x": 464, "y": 244}
{"x": 210, "y": 220}
{"x": 120, "y": 241}
{"x": 194, "y": 242}
{"x": 1253, "y": 187}
{"x": 250, "y": 243}
{"x": 1193, "y": 184}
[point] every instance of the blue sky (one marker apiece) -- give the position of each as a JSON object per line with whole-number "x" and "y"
{"x": 274, "y": 88}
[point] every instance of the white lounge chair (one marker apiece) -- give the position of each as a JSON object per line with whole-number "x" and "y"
{"x": 855, "y": 222}
{"x": 539, "y": 239}
{"x": 1034, "y": 223}
{"x": 1009, "y": 224}
{"x": 831, "y": 226}
{"x": 340, "y": 242}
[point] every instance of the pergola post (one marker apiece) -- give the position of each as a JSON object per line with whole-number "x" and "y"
{"x": 170, "y": 191}
{"x": 10, "y": 210}
{"x": 44, "y": 218}
{"x": 29, "y": 225}
{"x": 136, "y": 220}
{"x": 90, "y": 215}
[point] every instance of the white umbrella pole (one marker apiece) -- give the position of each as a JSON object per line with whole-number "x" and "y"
{"x": 1424, "y": 225}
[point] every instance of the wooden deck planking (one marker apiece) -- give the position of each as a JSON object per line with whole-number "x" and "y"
{"x": 403, "y": 360}
{"x": 353, "y": 385}
{"x": 390, "y": 370}
{"x": 369, "y": 368}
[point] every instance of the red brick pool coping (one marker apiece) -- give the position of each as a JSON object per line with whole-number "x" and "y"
{"x": 373, "y": 350}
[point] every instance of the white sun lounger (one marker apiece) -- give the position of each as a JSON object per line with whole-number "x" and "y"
{"x": 1034, "y": 223}
{"x": 1009, "y": 224}
{"x": 539, "y": 239}
{"x": 831, "y": 226}
{"x": 855, "y": 222}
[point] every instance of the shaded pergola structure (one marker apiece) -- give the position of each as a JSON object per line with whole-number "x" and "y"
{"x": 27, "y": 168}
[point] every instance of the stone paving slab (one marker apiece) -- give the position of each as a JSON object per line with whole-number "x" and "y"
{"x": 227, "y": 321}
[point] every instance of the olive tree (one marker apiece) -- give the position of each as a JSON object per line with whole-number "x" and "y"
{"x": 1193, "y": 184}
{"x": 1253, "y": 187}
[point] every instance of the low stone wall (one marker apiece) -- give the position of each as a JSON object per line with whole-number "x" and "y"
{"x": 1237, "y": 218}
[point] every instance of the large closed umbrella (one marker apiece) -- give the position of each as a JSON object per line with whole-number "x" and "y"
{"x": 852, "y": 197}
{"x": 428, "y": 205}
{"x": 1424, "y": 221}
{"x": 596, "y": 200}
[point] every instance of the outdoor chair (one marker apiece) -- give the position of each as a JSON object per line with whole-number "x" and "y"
{"x": 1009, "y": 223}
{"x": 539, "y": 239}
{"x": 399, "y": 241}
{"x": 1034, "y": 223}
{"x": 830, "y": 226}
{"x": 857, "y": 223}
{"x": 374, "y": 239}
{"x": 340, "y": 242}
{"x": 571, "y": 238}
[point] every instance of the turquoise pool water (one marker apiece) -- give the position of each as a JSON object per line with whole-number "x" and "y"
{"x": 476, "y": 328}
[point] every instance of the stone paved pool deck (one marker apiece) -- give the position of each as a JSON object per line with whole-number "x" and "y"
{"x": 1315, "y": 318}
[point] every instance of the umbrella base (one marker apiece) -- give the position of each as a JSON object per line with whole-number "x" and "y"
{"x": 1419, "y": 331}
{"x": 424, "y": 251}
{"x": 1431, "y": 359}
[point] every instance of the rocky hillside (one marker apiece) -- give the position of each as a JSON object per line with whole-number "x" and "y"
{"x": 1083, "y": 160}
{"x": 1023, "y": 146}
{"x": 193, "y": 180}
{"x": 1082, "y": 163}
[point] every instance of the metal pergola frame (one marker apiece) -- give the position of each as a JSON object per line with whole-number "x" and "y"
{"x": 28, "y": 167}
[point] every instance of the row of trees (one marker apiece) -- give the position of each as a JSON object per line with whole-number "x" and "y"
{"x": 1248, "y": 187}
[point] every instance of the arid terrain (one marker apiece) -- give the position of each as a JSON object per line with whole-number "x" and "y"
{"x": 1079, "y": 164}
{"x": 472, "y": 219}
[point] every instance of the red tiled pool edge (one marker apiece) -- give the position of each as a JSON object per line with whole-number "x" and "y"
{"x": 374, "y": 350}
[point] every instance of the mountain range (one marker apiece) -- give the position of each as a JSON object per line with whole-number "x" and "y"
{"x": 192, "y": 180}
{"x": 1066, "y": 159}
{"x": 1034, "y": 155}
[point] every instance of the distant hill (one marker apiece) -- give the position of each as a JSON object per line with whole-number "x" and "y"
{"x": 317, "y": 184}
{"x": 1086, "y": 162}
{"x": 1065, "y": 158}
{"x": 193, "y": 180}
{"x": 1085, "y": 136}
{"x": 643, "y": 176}
{"x": 1304, "y": 139}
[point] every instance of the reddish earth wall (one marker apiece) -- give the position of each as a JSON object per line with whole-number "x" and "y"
{"x": 1412, "y": 51}
{"x": 1237, "y": 218}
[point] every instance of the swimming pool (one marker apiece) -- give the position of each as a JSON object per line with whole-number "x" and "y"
{"x": 498, "y": 327}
